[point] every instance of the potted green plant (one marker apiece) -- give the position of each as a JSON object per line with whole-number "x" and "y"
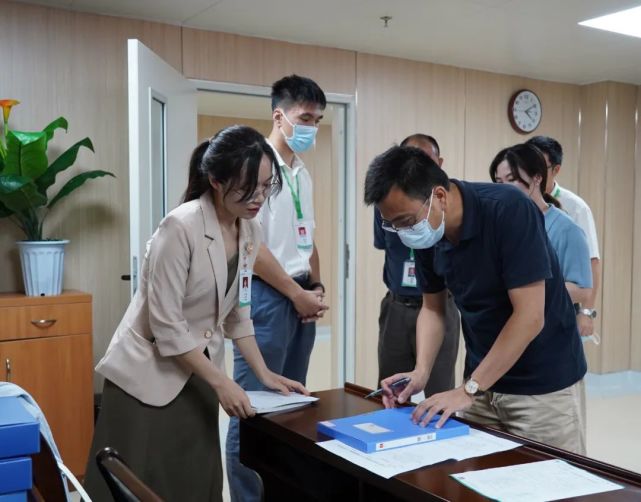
{"x": 25, "y": 178}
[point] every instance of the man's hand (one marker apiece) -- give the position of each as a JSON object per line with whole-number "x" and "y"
{"x": 446, "y": 402}
{"x": 309, "y": 304}
{"x": 391, "y": 395}
{"x": 585, "y": 324}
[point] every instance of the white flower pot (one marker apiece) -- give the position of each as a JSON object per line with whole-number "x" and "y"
{"x": 42, "y": 266}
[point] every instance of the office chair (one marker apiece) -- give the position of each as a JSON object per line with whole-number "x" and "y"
{"x": 123, "y": 484}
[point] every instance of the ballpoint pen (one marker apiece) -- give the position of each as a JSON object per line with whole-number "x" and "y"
{"x": 399, "y": 383}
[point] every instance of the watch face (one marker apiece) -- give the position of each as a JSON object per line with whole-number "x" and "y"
{"x": 471, "y": 387}
{"x": 525, "y": 111}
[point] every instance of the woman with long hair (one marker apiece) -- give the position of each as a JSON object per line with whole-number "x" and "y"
{"x": 164, "y": 368}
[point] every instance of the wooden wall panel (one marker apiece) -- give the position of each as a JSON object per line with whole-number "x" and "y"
{"x": 487, "y": 129}
{"x": 396, "y": 98}
{"x": 635, "y": 324}
{"x": 591, "y": 186}
{"x": 225, "y": 57}
{"x": 59, "y": 62}
{"x": 618, "y": 221}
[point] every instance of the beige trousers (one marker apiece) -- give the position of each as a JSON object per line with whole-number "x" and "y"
{"x": 556, "y": 419}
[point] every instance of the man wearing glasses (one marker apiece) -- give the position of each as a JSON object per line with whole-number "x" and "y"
{"x": 524, "y": 364}
{"x": 402, "y": 303}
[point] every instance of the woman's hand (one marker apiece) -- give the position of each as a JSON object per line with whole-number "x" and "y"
{"x": 278, "y": 382}
{"x": 234, "y": 399}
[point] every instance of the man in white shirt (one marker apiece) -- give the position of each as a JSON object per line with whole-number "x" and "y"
{"x": 581, "y": 214}
{"x": 287, "y": 294}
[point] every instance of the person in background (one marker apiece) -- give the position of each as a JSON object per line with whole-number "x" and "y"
{"x": 402, "y": 303}
{"x": 486, "y": 243}
{"x": 288, "y": 292}
{"x": 524, "y": 167}
{"x": 581, "y": 214}
{"x": 164, "y": 371}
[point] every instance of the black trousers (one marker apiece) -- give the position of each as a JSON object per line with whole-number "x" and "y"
{"x": 397, "y": 341}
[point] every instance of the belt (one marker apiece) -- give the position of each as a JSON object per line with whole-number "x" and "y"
{"x": 408, "y": 301}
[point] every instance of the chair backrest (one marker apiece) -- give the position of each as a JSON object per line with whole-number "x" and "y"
{"x": 123, "y": 484}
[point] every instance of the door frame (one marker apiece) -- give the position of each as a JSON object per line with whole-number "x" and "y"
{"x": 346, "y": 337}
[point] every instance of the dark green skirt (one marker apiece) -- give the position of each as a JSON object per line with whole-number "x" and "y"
{"x": 174, "y": 449}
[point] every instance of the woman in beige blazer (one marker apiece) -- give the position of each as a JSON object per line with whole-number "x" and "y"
{"x": 164, "y": 371}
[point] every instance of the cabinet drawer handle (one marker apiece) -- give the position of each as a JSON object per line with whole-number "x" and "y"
{"x": 7, "y": 364}
{"x": 43, "y": 323}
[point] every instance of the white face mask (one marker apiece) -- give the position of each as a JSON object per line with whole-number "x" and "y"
{"x": 421, "y": 235}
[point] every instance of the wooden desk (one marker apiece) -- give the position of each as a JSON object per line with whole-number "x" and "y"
{"x": 280, "y": 447}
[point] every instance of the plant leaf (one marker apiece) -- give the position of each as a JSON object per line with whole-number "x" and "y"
{"x": 26, "y": 154}
{"x": 5, "y": 211}
{"x": 59, "y": 123}
{"x": 76, "y": 182}
{"x": 19, "y": 193}
{"x": 65, "y": 160}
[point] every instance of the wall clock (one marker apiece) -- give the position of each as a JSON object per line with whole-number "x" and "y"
{"x": 524, "y": 111}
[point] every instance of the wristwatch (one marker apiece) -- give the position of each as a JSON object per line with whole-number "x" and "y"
{"x": 318, "y": 284}
{"x": 471, "y": 388}
{"x": 588, "y": 312}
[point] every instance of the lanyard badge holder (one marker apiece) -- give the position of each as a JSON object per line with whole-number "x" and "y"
{"x": 302, "y": 228}
{"x": 245, "y": 278}
{"x": 409, "y": 272}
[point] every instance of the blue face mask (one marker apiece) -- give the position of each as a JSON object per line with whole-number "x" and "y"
{"x": 303, "y": 137}
{"x": 421, "y": 235}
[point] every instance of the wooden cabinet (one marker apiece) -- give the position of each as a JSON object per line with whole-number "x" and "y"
{"x": 46, "y": 348}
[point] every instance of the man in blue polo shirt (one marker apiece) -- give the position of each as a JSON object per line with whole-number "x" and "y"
{"x": 402, "y": 303}
{"x": 486, "y": 243}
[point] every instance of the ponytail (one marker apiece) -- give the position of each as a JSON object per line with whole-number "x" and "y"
{"x": 198, "y": 182}
{"x": 550, "y": 199}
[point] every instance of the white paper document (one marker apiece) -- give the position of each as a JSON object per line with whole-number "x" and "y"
{"x": 535, "y": 482}
{"x": 389, "y": 463}
{"x": 266, "y": 402}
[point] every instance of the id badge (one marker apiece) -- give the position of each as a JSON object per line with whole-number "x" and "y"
{"x": 409, "y": 274}
{"x": 245, "y": 288}
{"x": 303, "y": 231}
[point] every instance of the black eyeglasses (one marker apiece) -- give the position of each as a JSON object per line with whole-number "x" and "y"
{"x": 391, "y": 227}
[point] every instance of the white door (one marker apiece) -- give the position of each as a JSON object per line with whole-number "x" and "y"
{"x": 162, "y": 135}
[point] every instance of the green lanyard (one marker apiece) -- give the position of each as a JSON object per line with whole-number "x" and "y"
{"x": 295, "y": 194}
{"x": 557, "y": 192}
{"x": 411, "y": 254}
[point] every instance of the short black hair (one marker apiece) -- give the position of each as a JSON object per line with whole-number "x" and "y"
{"x": 551, "y": 147}
{"x": 294, "y": 89}
{"x": 408, "y": 168}
{"x": 422, "y": 138}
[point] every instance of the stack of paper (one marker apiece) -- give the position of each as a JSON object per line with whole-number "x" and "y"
{"x": 267, "y": 402}
{"x": 388, "y": 463}
{"x": 535, "y": 482}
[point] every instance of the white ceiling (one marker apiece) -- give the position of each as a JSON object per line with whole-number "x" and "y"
{"x": 532, "y": 38}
